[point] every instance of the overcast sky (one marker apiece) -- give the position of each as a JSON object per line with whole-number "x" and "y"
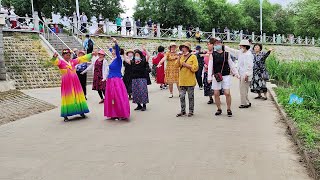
{"x": 129, "y": 4}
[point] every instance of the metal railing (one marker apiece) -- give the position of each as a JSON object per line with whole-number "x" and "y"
{"x": 81, "y": 36}
{"x": 17, "y": 23}
{"x": 53, "y": 38}
{"x": 156, "y": 32}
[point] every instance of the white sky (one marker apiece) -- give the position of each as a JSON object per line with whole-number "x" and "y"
{"x": 129, "y": 4}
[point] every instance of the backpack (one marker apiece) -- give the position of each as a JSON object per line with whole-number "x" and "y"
{"x": 90, "y": 45}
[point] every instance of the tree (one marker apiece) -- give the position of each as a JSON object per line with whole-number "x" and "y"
{"x": 307, "y": 18}
{"x": 168, "y": 12}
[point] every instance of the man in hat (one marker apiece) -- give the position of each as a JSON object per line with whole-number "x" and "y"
{"x": 245, "y": 68}
{"x": 188, "y": 65}
{"x": 200, "y": 58}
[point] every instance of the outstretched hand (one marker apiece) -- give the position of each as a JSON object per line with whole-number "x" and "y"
{"x": 55, "y": 55}
{"x": 114, "y": 40}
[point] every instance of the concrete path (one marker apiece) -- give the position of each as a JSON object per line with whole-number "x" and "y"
{"x": 153, "y": 145}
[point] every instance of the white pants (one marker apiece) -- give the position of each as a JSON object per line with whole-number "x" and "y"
{"x": 244, "y": 89}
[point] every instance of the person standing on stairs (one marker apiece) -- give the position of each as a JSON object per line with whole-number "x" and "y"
{"x": 73, "y": 101}
{"x": 82, "y": 76}
{"x": 99, "y": 67}
{"x": 88, "y": 44}
{"x": 116, "y": 104}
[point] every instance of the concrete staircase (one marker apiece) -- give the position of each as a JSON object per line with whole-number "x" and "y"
{"x": 72, "y": 43}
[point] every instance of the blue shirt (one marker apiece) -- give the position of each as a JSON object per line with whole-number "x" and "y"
{"x": 85, "y": 43}
{"x": 116, "y": 65}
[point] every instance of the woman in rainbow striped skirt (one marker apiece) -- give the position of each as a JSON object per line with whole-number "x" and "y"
{"x": 73, "y": 101}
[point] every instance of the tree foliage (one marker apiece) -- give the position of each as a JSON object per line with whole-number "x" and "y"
{"x": 108, "y": 8}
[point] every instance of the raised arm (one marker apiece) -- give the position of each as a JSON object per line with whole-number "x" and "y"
{"x": 84, "y": 59}
{"x": 266, "y": 55}
{"x": 162, "y": 61}
{"x": 126, "y": 59}
{"x": 233, "y": 52}
{"x": 55, "y": 60}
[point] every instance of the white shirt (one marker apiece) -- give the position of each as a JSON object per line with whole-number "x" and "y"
{"x": 84, "y": 19}
{"x": 105, "y": 67}
{"x": 210, "y": 67}
{"x": 245, "y": 62}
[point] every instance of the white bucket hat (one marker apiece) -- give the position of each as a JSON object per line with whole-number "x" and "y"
{"x": 244, "y": 43}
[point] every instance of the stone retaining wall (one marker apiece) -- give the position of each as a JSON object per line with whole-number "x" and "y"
{"x": 27, "y": 63}
{"x": 282, "y": 52}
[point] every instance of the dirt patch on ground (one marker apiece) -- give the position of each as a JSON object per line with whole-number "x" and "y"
{"x": 16, "y": 105}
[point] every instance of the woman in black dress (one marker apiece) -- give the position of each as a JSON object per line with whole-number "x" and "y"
{"x": 260, "y": 74}
{"x": 127, "y": 79}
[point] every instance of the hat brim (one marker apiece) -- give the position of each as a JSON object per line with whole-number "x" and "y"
{"x": 182, "y": 46}
{"x": 129, "y": 52}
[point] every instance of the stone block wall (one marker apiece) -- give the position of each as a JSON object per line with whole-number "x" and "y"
{"x": 26, "y": 62}
{"x": 286, "y": 53}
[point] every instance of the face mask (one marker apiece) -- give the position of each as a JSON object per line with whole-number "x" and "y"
{"x": 197, "y": 51}
{"x": 137, "y": 59}
{"x": 242, "y": 50}
{"x": 218, "y": 47}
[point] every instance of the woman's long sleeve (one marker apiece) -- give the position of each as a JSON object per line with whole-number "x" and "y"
{"x": 232, "y": 51}
{"x": 210, "y": 68}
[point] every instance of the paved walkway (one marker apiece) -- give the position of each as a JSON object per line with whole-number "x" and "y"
{"x": 153, "y": 145}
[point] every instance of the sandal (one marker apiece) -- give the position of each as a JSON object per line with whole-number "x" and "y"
{"x": 219, "y": 112}
{"x": 190, "y": 114}
{"x": 265, "y": 98}
{"x": 181, "y": 114}
{"x": 102, "y": 101}
{"x": 83, "y": 116}
{"x": 229, "y": 113}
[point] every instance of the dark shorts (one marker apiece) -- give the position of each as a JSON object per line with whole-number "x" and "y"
{"x": 119, "y": 28}
{"x": 128, "y": 29}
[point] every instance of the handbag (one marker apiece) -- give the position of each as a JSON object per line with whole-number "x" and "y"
{"x": 218, "y": 75}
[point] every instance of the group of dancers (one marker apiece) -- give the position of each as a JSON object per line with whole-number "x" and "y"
{"x": 180, "y": 68}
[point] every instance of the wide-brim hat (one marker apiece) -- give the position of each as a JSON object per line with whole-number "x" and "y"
{"x": 244, "y": 43}
{"x": 102, "y": 52}
{"x": 172, "y": 44}
{"x": 186, "y": 44}
{"x": 66, "y": 51}
{"x": 81, "y": 52}
{"x": 129, "y": 51}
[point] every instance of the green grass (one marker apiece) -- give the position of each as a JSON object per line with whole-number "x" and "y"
{"x": 301, "y": 78}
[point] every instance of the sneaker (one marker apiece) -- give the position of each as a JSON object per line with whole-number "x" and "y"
{"x": 181, "y": 114}
{"x": 83, "y": 116}
{"x": 171, "y": 96}
{"x": 210, "y": 101}
{"x": 201, "y": 88}
{"x": 102, "y": 101}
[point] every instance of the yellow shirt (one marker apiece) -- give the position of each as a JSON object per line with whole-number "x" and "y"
{"x": 187, "y": 77}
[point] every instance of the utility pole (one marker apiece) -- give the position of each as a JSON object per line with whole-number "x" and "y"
{"x": 31, "y": 7}
{"x": 261, "y": 1}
